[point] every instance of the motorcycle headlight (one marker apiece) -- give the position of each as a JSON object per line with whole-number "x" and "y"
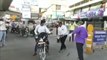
{"x": 41, "y": 40}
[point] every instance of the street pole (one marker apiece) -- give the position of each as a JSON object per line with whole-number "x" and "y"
{"x": 56, "y": 12}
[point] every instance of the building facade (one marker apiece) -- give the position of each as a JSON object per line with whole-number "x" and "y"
{"x": 57, "y": 9}
{"x": 93, "y": 11}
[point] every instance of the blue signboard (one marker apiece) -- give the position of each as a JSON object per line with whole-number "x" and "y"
{"x": 100, "y": 36}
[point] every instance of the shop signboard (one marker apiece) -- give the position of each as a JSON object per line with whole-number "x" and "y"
{"x": 92, "y": 13}
{"x": 83, "y": 15}
{"x": 26, "y": 11}
{"x": 100, "y": 36}
{"x": 96, "y": 13}
{"x": 26, "y": 14}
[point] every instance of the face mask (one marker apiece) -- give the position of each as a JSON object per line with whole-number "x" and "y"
{"x": 42, "y": 24}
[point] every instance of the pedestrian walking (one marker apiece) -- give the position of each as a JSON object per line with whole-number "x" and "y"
{"x": 81, "y": 35}
{"x": 62, "y": 33}
{"x": 2, "y": 33}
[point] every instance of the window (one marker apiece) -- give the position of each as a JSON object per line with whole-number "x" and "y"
{"x": 98, "y": 23}
{"x": 58, "y": 7}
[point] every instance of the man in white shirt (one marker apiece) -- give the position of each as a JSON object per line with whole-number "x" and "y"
{"x": 2, "y": 32}
{"x": 62, "y": 32}
{"x": 41, "y": 30}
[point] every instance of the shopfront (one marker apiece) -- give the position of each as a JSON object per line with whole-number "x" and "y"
{"x": 96, "y": 21}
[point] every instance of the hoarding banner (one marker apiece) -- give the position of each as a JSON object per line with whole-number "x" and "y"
{"x": 26, "y": 12}
{"x": 92, "y": 13}
{"x": 26, "y": 15}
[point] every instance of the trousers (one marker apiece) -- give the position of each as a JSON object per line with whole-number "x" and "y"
{"x": 2, "y": 37}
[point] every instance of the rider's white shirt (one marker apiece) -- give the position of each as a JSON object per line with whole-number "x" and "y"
{"x": 40, "y": 29}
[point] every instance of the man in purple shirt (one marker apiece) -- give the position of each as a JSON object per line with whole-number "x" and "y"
{"x": 81, "y": 35}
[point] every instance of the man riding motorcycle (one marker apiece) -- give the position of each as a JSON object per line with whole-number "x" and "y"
{"x": 41, "y": 30}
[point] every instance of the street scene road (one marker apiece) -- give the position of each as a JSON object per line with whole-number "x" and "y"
{"x": 20, "y": 48}
{"x": 85, "y": 19}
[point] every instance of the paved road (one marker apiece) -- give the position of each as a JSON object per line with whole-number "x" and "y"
{"x": 19, "y": 48}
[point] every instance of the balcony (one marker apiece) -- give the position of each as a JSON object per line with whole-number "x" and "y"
{"x": 84, "y": 4}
